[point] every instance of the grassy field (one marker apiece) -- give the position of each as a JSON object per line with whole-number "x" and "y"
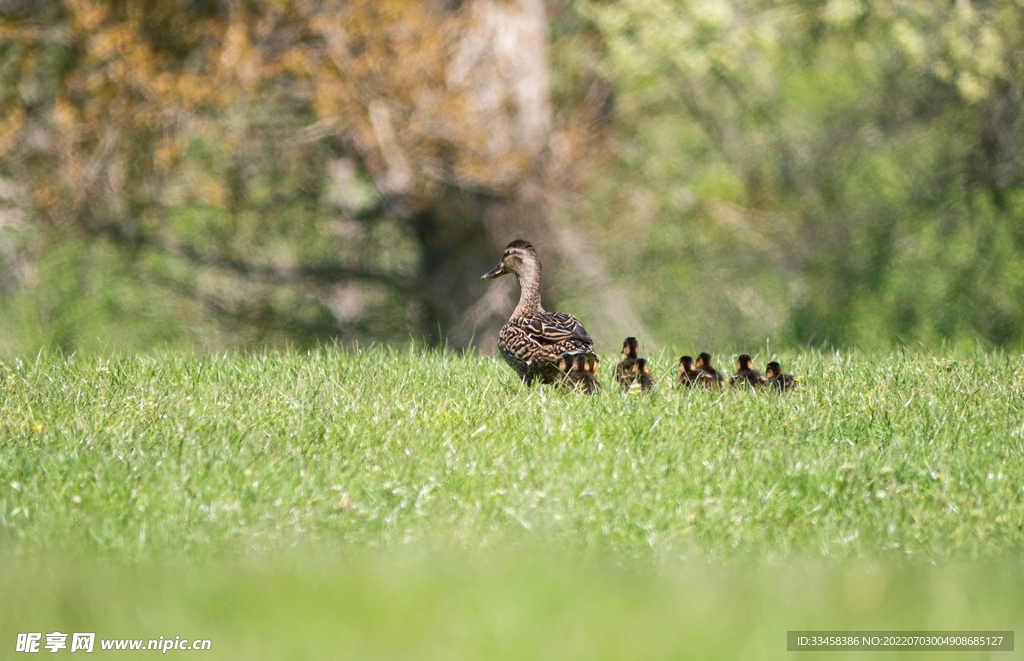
{"x": 425, "y": 505}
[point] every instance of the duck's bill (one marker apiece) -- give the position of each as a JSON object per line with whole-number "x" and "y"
{"x": 494, "y": 273}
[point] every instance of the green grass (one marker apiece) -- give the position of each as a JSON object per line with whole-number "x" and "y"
{"x": 132, "y": 457}
{"x": 431, "y": 507}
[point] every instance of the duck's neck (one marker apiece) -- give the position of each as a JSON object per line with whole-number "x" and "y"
{"x": 529, "y": 290}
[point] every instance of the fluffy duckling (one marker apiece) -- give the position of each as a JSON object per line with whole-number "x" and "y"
{"x": 642, "y": 375}
{"x": 745, "y": 373}
{"x": 578, "y": 372}
{"x": 565, "y": 366}
{"x": 624, "y": 370}
{"x": 707, "y": 375}
{"x": 774, "y": 378}
{"x": 688, "y": 375}
{"x": 585, "y": 365}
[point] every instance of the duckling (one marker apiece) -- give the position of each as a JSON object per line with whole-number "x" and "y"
{"x": 687, "y": 374}
{"x": 642, "y": 375}
{"x": 774, "y": 378}
{"x": 707, "y": 375}
{"x": 590, "y": 364}
{"x": 565, "y": 363}
{"x": 577, "y": 372}
{"x": 745, "y": 373}
{"x": 624, "y": 370}
{"x": 533, "y": 339}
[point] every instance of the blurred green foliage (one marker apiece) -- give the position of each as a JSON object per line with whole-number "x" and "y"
{"x": 818, "y": 173}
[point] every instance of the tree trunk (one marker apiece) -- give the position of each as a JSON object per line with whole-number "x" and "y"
{"x": 494, "y": 186}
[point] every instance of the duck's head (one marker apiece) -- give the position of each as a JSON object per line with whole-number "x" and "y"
{"x": 743, "y": 362}
{"x": 629, "y": 347}
{"x": 686, "y": 364}
{"x": 772, "y": 370}
{"x": 641, "y": 366}
{"x": 519, "y": 256}
{"x": 565, "y": 362}
{"x": 704, "y": 359}
{"x": 592, "y": 362}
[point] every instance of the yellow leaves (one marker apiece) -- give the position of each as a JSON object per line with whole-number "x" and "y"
{"x": 166, "y": 154}
{"x": 87, "y": 14}
{"x": 63, "y": 114}
{"x": 44, "y": 198}
{"x": 239, "y": 57}
{"x": 11, "y": 127}
{"x": 210, "y": 191}
{"x": 116, "y": 72}
{"x": 236, "y": 45}
{"x": 190, "y": 89}
{"x": 338, "y": 56}
{"x": 296, "y": 60}
{"x": 107, "y": 43}
{"x": 328, "y": 95}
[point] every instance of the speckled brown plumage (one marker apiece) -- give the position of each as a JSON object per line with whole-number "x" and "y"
{"x": 533, "y": 340}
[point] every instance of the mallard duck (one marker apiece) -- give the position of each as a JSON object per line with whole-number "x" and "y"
{"x": 745, "y": 374}
{"x": 687, "y": 374}
{"x": 578, "y": 372}
{"x": 642, "y": 374}
{"x": 533, "y": 340}
{"x": 707, "y": 375}
{"x": 774, "y": 378}
{"x": 624, "y": 370}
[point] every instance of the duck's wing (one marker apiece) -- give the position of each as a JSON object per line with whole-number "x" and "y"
{"x": 558, "y": 328}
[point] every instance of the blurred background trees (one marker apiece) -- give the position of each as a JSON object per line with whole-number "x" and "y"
{"x": 210, "y": 174}
{"x": 849, "y": 171}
